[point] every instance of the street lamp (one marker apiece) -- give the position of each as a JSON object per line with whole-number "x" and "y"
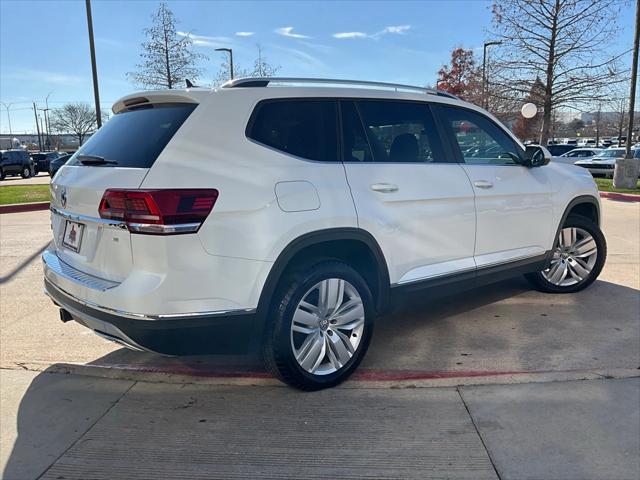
{"x": 94, "y": 69}
{"x": 484, "y": 71}
{"x": 8, "y": 106}
{"x": 230, "y": 52}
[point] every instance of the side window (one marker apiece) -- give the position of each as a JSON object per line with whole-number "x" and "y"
{"x": 304, "y": 128}
{"x": 400, "y": 131}
{"x": 355, "y": 146}
{"x": 480, "y": 140}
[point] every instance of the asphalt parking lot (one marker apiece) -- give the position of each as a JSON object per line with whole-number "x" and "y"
{"x": 523, "y": 376}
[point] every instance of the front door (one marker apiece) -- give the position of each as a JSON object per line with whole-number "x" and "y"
{"x": 513, "y": 202}
{"x": 417, "y": 203}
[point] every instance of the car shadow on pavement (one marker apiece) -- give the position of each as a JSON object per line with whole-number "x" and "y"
{"x": 44, "y": 414}
{"x": 22, "y": 265}
{"x": 504, "y": 327}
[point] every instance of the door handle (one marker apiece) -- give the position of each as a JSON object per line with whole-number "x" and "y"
{"x": 384, "y": 187}
{"x": 484, "y": 184}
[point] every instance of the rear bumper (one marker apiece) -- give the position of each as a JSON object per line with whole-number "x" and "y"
{"x": 223, "y": 332}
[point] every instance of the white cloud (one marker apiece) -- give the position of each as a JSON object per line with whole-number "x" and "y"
{"x": 399, "y": 29}
{"x": 392, "y": 29}
{"x": 245, "y": 34}
{"x": 288, "y": 32}
{"x": 205, "y": 40}
{"x": 350, "y": 35}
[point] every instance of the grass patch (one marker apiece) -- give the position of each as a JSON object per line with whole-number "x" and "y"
{"x": 23, "y": 194}
{"x": 606, "y": 185}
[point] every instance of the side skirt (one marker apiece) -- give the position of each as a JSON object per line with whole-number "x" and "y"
{"x": 450, "y": 284}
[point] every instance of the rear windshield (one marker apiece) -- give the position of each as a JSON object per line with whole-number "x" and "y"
{"x": 135, "y": 138}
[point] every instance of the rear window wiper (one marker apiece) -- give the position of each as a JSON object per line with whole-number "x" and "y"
{"x": 95, "y": 160}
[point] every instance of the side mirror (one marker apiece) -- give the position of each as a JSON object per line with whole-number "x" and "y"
{"x": 535, "y": 156}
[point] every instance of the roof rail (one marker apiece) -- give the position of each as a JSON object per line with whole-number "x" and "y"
{"x": 266, "y": 81}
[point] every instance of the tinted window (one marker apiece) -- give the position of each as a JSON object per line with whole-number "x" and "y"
{"x": 480, "y": 140}
{"x": 304, "y": 128}
{"x": 400, "y": 131}
{"x": 135, "y": 138}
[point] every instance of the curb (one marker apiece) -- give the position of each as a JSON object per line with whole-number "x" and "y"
{"x": 625, "y": 197}
{"x": 24, "y": 207}
{"x": 360, "y": 379}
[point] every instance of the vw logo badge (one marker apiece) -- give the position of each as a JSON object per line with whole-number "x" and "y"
{"x": 63, "y": 197}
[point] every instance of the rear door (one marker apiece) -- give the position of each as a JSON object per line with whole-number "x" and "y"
{"x": 408, "y": 194}
{"x": 129, "y": 143}
{"x": 513, "y": 203}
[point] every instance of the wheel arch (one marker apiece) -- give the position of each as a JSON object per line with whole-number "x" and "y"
{"x": 585, "y": 206}
{"x": 331, "y": 243}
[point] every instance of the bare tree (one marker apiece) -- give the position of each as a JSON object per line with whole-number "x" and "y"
{"x": 76, "y": 118}
{"x": 561, "y": 42}
{"x": 261, "y": 67}
{"x": 167, "y": 57}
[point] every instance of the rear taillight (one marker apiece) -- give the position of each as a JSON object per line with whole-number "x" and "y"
{"x": 159, "y": 212}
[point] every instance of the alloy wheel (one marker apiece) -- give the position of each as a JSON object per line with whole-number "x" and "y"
{"x": 573, "y": 259}
{"x": 327, "y": 326}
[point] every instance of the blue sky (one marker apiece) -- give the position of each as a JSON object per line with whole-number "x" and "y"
{"x": 44, "y": 44}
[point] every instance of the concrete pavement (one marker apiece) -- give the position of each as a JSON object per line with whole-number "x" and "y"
{"x": 77, "y": 427}
{"x": 41, "y": 179}
{"x": 186, "y": 425}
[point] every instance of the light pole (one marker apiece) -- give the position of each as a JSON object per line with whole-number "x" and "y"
{"x": 8, "y": 106}
{"x": 94, "y": 69}
{"x": 634, "y": 79}
{"x": 46, "y": 117}
{"x": 484, "y": 71}
{"x": 625, "y": 174}
{"x": 230, "y": 52}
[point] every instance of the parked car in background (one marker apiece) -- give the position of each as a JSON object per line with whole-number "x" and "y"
{"x": 290, "y": 215}
{"x": 604, "y": 163}
{"x": 15, "y": 162}
{"x": 577, "y": 154}
{"x": 55, "y": 164}
{"x": 560, "y": 149}
{"x": 41, "y": 160}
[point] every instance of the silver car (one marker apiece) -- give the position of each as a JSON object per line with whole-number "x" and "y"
{"x": 605, "y": 162}
{"x": 584, "y": 153}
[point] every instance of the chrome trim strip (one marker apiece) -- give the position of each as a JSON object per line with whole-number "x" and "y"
{"x": 76, "y": 217}
{"x": 164, "y": 229}
{"x": 142, "y": 316}
{"x": 132, "y": 227}
{"x": 465, "y": 270}
{"x": 437, "y": 275}
{"x": 53, "y": 263}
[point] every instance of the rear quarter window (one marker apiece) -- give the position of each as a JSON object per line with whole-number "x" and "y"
{"x": 300, "y": 127}
{"x": 135, "y": 138}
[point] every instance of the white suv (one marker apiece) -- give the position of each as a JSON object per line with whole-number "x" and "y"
{"x": 290, "y": 212}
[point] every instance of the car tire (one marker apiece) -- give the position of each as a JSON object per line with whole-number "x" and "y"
{"x": 26, "y": 172}
{"x": 2, "y": 175}
{"x": 579, "y": 254}
{"x": 308, "y": 343}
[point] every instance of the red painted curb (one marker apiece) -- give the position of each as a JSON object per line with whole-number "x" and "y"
{"x": 24, "y": 207}
{"x": 625, "y": 197}
{"x": 360, "y": 375}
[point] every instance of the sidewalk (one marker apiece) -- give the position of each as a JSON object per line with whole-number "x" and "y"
{"x": 78, "y": 427}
